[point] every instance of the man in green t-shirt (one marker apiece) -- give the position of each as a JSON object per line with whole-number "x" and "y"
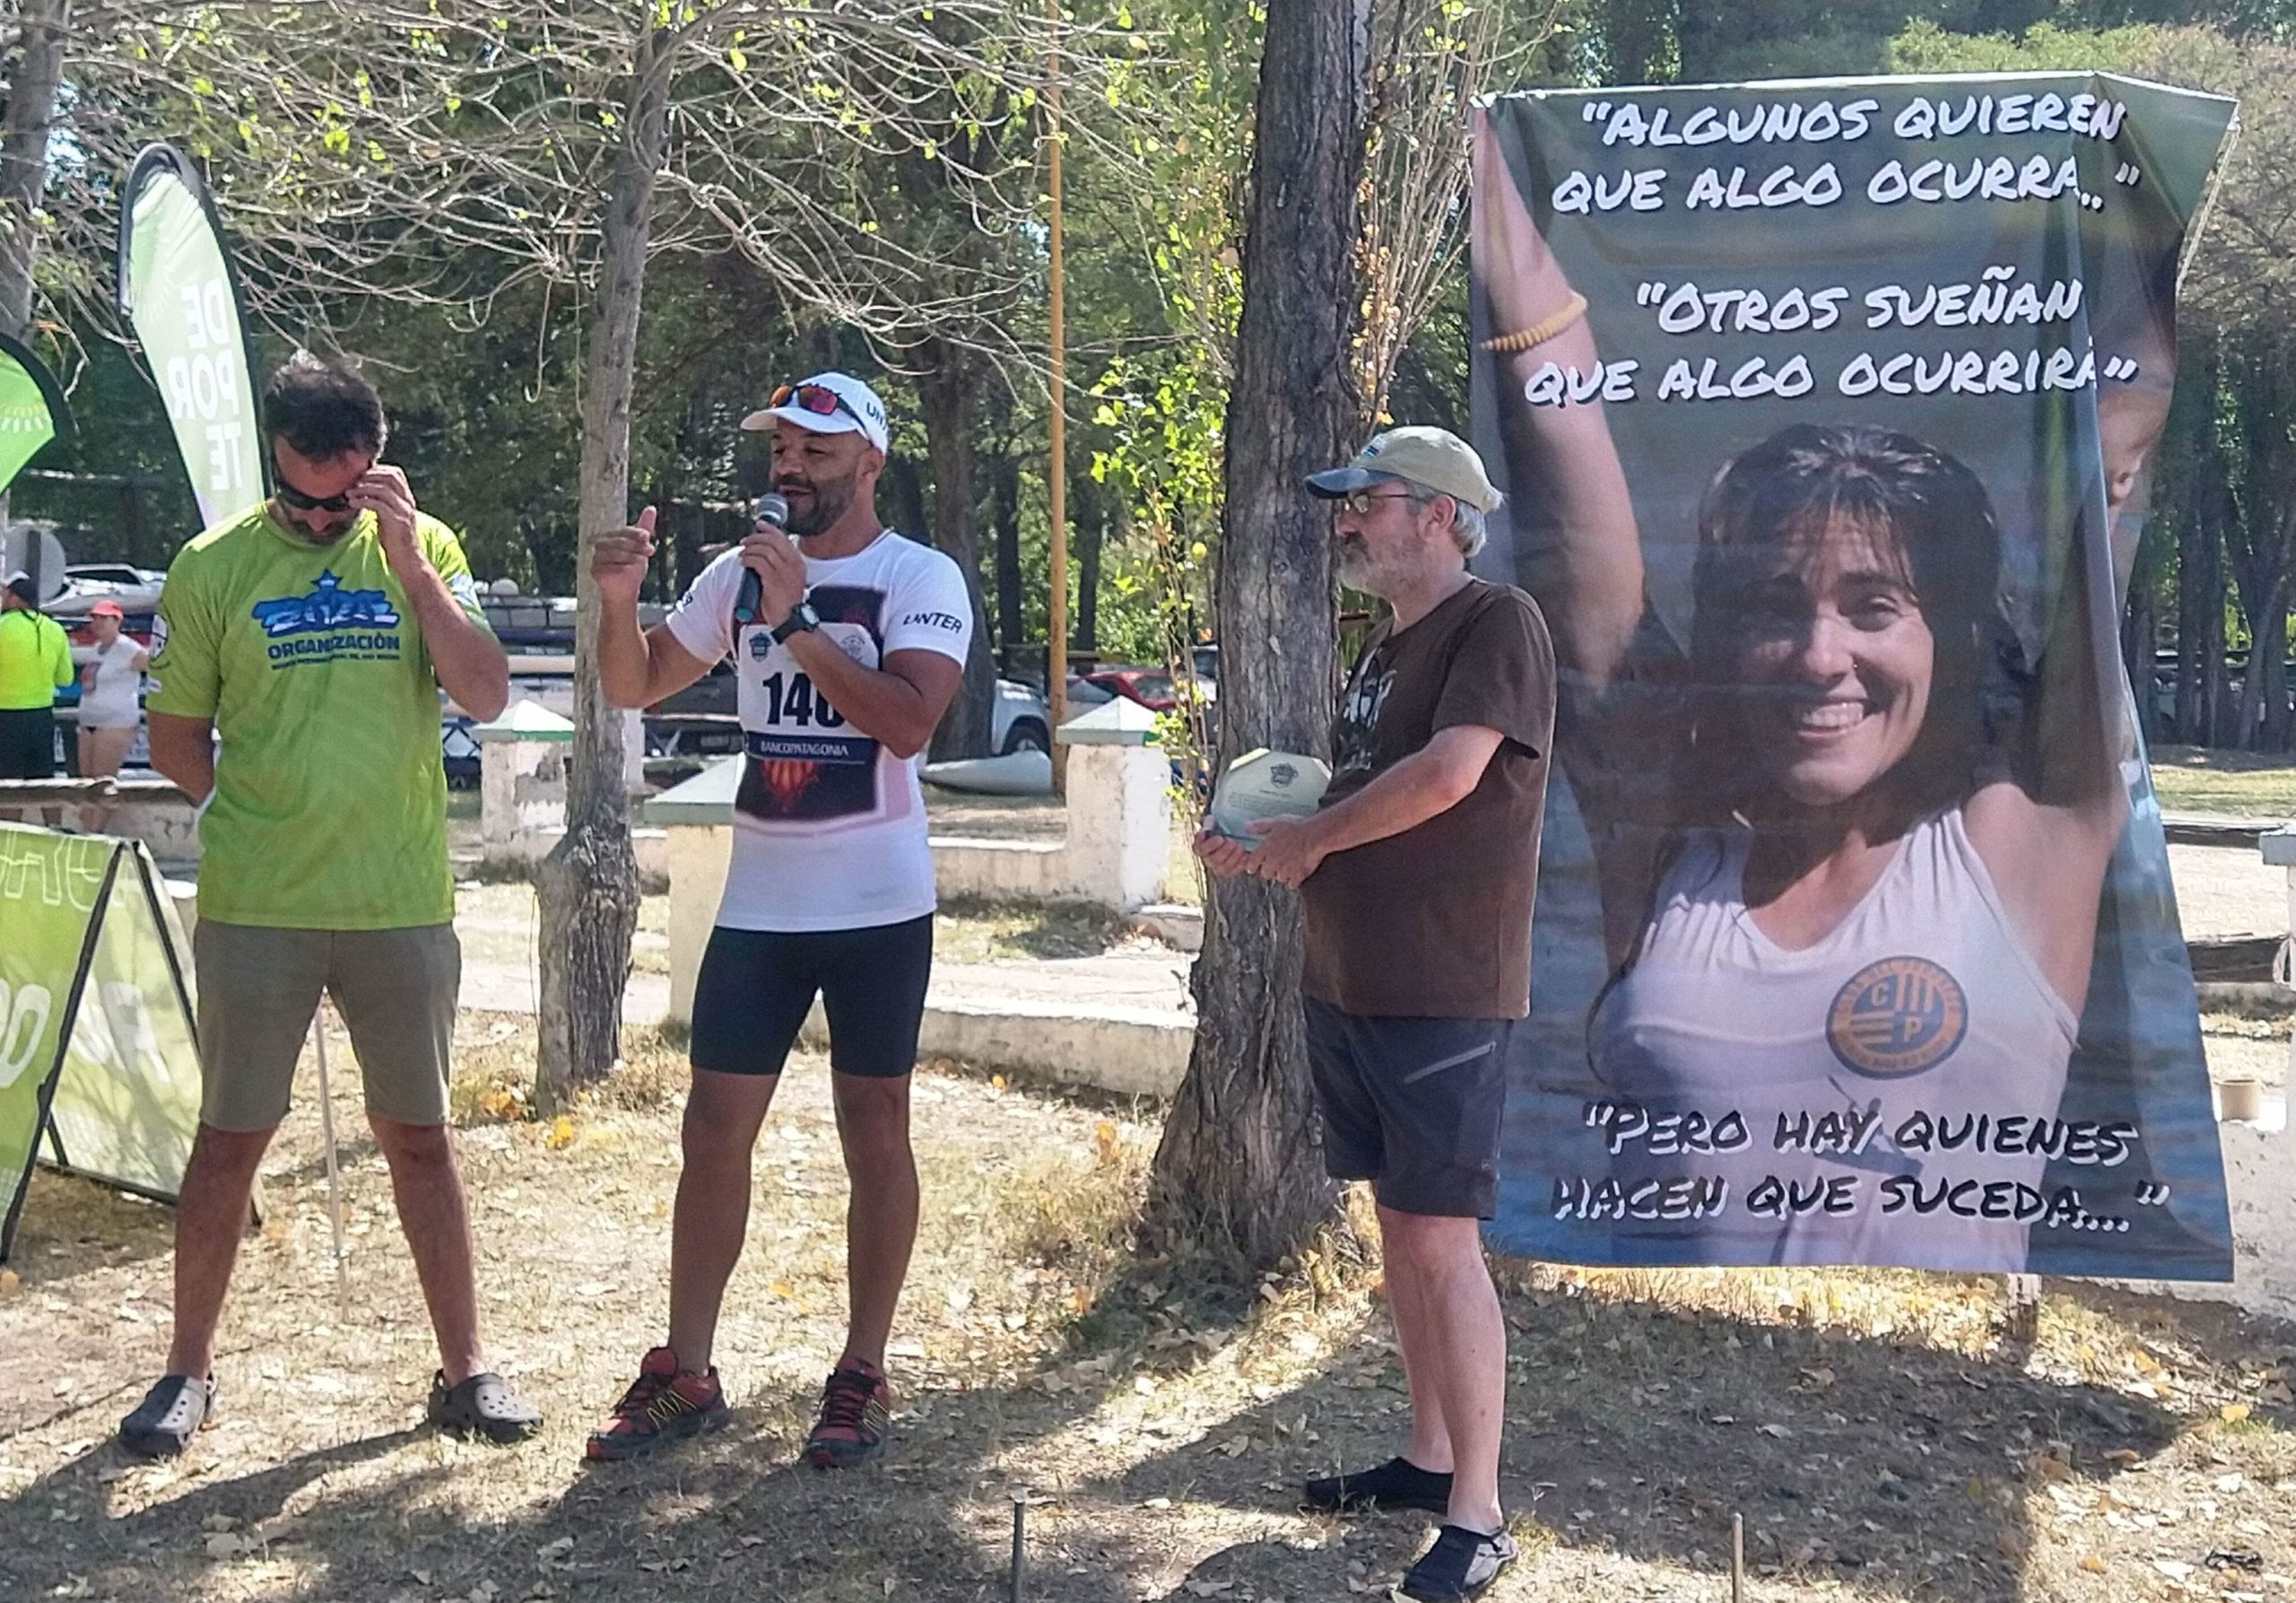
{"x": 300, "y": 653}
{"x": 35, "y": 663}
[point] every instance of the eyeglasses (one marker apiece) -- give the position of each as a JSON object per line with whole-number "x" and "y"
{"x": 302, "y": 502}
{"x": 1361, "y": 501}
{"x": 819, "y": 399}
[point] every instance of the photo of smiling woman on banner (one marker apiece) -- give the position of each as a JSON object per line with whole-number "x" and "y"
{"x": 1844, "y": 725}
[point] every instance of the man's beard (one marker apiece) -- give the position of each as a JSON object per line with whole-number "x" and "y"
{"x": 1355, "y": 568}
{"x": 822, "y": 508}
{"x": 311, "y": 536}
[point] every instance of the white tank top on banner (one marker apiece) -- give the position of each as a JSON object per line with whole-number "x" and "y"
{"x": 1924, "y": 1004}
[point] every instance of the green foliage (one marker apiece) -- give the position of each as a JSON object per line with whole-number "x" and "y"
{"x": 1923, "y": 47}
{"x": 1164, "y": 425}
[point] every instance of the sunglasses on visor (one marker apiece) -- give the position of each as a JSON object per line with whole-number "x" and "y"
{"x": 819, "y": 399}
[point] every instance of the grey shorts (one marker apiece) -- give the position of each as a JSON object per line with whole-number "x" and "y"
{"x": 1414, "y": 1105}
{"x": 259, "y": 989}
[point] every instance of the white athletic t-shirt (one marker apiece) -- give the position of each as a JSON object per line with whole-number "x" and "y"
{"x": 829, "y": 826}
{"x": 111, "y": 703}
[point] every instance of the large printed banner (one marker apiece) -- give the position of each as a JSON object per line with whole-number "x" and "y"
{"x": 1855, "y": 940}
{"x": 176, "y": 288}
{"x": 98, "y": 1065}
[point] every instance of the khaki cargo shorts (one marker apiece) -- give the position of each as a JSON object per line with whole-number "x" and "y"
{"x": 259, "y": 989}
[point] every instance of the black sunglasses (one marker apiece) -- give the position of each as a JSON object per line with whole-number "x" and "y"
{"x": 311, "y": 503}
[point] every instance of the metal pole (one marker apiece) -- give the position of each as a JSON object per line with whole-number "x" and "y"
{"x": 333, "y": 1172}
{"x": 1056, "y": 659}
{"x": 1020, "y": 1543}
{"x": 1738, "y": 1558}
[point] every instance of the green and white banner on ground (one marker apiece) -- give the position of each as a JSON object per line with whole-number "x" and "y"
{"x": 178, "y": 288}
{"x": 31, "y": 409}
{"x": 99, "y": 1063}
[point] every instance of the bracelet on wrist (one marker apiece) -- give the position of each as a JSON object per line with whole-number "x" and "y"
{"x": 1539, "y": 333}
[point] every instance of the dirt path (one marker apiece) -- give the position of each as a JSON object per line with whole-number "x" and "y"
{"x": 2226, "y": 891}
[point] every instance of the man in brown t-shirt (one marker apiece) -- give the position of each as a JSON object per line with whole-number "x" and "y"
{"x": 1417, "y": 874}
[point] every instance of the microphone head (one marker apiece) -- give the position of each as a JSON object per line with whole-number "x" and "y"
{"x": 771, "y": 508}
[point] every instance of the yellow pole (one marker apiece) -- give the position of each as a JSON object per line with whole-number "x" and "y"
{"x": 1055, "y": 671}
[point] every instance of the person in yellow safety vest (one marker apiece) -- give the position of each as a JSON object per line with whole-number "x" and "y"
{"x": 35, "y": 663}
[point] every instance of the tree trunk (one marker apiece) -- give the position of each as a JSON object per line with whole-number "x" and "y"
{"x": 2136, "y": 631}
{"x": 1011, "y": 604}
{"x": 2200, "y": 614}
{"x": 2245, "y": 720}
{"x": 24, "y": 131}
{"x": 2268, "y": 666}
{"x": 945, "y": 392}
{"x": 905, "y": 494}
{"x": 1238, "y": 1166}
{"x": 588, "y": 886}
{"x": 1092, "y": 537}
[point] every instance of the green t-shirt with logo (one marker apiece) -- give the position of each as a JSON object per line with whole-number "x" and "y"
{"x": 330, "y": 804}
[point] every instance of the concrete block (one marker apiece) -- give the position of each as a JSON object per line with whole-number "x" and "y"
{"x": 1127, "y": 1052}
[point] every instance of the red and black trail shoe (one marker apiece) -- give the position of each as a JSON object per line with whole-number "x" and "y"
{"x": 662, "y": 1406}
{"x": 856, "y": 1410}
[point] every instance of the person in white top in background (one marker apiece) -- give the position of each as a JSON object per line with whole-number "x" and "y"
{"x": 855, "y": 648}
{"x": 112, "y": 707}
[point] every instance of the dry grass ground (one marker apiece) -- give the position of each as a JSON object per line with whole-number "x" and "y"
{"x": 2237, "y": 784}
{"x": 1882, "y": 1437}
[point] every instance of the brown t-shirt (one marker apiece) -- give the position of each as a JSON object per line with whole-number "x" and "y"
{"x": 1436, "y": 922}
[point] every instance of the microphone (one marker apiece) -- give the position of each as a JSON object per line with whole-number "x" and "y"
{"x": 771, "y": 510}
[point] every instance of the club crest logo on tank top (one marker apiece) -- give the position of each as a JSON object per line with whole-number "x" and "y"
{"x": 1897, "y": 1017}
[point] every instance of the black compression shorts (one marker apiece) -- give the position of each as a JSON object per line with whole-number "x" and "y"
{"x": 756, "y": 987}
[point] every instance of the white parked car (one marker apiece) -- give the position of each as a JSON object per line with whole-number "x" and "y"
{"x": 1020, "y": 722}
{"x": 137, "y": 590}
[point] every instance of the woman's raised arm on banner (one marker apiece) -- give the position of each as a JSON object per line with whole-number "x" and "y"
{"x": 1575, "y": 546}
{"x": 2048, "y": 827}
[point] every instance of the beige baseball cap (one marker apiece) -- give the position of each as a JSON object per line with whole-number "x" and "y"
{"x": 1431, "y": 459}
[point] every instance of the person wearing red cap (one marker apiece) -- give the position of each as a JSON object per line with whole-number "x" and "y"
{"x": 112, "y": 707}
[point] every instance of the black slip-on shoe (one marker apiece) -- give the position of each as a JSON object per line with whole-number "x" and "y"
{"x": 171, "y": 1414}
{"x": 1397, "y": 1483}
{"x": 1462, "y": 1564}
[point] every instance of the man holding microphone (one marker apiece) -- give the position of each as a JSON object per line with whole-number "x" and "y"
{"x": 849, "y": 641}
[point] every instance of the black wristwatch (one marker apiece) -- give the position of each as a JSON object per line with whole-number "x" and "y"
{"x": 801, "y": 617}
